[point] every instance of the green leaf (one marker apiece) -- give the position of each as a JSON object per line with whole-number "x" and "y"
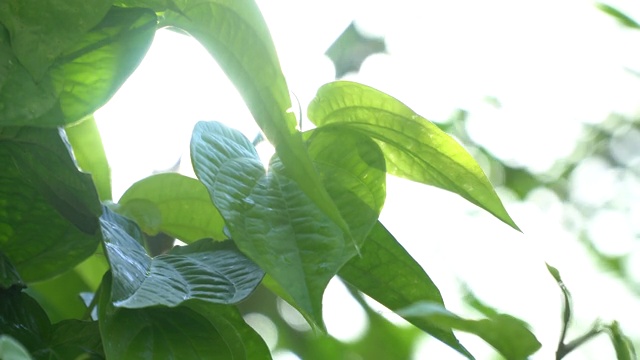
{"x": 414, "y": 148}
{"x": 41, "y": 185}
{"x": 88, "y": 151}
{"x": 182, "y": 204}
{"x": 622, "y": 18}
{"x": 24, "y": 320}
{"x": 9, "y": 276}
{"x": 508, "y": 335}
{"x": 621, "y": 343}
{"x": 193, "y": 330}
{"x": 352, "y": 169}
{"x": 212, "y": 271}
{"x": 269, "y": 217}
{"x": 75, "y": 339}
{"x": 235, "y": 33}
{"x": 82, "y": 78}
{"x": 388, "y": 274}
{"x": 11, "y": 349}
{"x": 42, "y": 30}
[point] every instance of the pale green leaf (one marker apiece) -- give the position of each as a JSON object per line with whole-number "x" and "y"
{"x": 11, "y": 349}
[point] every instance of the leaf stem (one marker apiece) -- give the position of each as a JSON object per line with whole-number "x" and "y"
{"x": 93, "y": 304}
{"x": 565, "y": 349}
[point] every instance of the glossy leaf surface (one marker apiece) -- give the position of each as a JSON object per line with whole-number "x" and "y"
{"x": 508, "y": 335}
{"x": 413, "y": 147}
{"x": 41, "y": 185}
{"x": 189, "y": 331}
{"x": 269, "y": 216}
{"x": 213, "y": 272}
{"x": 173, "y": 204}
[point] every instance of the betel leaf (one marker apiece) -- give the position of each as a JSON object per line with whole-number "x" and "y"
{"x": 82, "y": 78}
{"x": 269, "y": 217}
{"x": 10, "y": 348}
{"x": 42, "y": 30}
{"x": 235, "y": 33}
{"x": 212, "y": 271}
{"x": 182, "y": 204}
{"x": 86, "y": 143}
{"x": 388, "y": 274}
{"x": 413, "y": 147}
{"x": 194, "y": 330}
{"x": 352, "y": 169}
{"x": 41, "y": 185}
{"x": 508, "y": 335}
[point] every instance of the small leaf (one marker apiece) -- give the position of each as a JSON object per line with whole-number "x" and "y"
{"x": 508, "y": 335}
{"x": 11, "y": 349}
{"x": 183, "y": 204}
{"x": 566, "y": 307}
{"x": 194, "y": 330}
{"x": 413, "y": 147}
{"x": 213, "y": 272}
{"x": 621, "y": 343}
{"x": 86, "y": 143}
{"x": 622, "y": 18}
{"x": 388, "y": 274}
{"x": 235, "y": 33}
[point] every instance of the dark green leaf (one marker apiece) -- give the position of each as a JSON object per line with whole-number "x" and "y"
{"x": 9, "y": 276}
{"x": 269, "y": 217}
{"x": 352, "y": 169}
{"x": 41, "y": 185}
{"x": 414, "y": 148}
{"x": 389, "y": 275}
{"x": 42, "y": 30}
{"x": 182, "y": 206}
{"x": 75, "y": 339}
{"x": 88, "y": 151}
{"x": 235, "y": 33}
{"x": 621, "y": 343}
{"x": 211, "y": 271}
{"x": 11, "y": 349}
{"x": 622, "y": 18}
{"x": 191, "y": 331}
{"x": 508, "y": 335}
{"x": 22, "y": 318}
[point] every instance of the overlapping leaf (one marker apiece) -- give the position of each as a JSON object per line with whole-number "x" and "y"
{"x": 508, "y": 335}
{"x": 387, "y": 273}
{"x": 10, "y": 348}
{"x": 235, "y": 33}
{"x": 8, "y": 274}
{"x": 173, "y": 204}
{"x": 193, "y": 330}
{"x": 269, "y": 216}
{"x": 213, "y": 272}
{"x": 40, "y": 184}
{"x": 414, "y": 148}
{"x": 82, "y": 77}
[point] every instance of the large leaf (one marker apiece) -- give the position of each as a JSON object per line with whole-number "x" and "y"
{"x": 211, "y": 271}
{"x": 86, "y": 143}
{"x": 387, "y": 273}
{"x": 42, "y": 30}
{"x": 194, "y": 330}
{"x": 414, "y": 148}
{"x": 84, "y": 75}
{"x": 269, "y": 217}
{"x": 41, "y": 185}
{"x": 235, "y": 33}
{"x": 182, "y": 204}
{"x": 352, "y": 169}
{"x": 508, "y": 335}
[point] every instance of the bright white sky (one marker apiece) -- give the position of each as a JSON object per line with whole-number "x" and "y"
{"x": 552, "y": 65}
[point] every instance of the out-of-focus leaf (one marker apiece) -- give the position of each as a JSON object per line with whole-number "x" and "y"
{"x": 508, "y": 335}
{"x": 622, "y": 18}
{"x": 235, "y": 33}
{"x": 88, "y": 151}
{"x": 182, "y": 204}
{"x": 212, "y": 271}
{"x": 352, "y": 169}
{"x": 11, "y": 349}
{"x": 191, "y": 331}
{"x": 269, "y": 217}
{"x": 351, "y": 49}
{"x": 42, "y": 30}
{"x": 414, "y": 148}
{"x": 82, "y": 77}
{"x": 621, "y": 343}
{"x": 9, "y": 276}
{"x": 41, "y": 185}
{"x": 388, "y": 274}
